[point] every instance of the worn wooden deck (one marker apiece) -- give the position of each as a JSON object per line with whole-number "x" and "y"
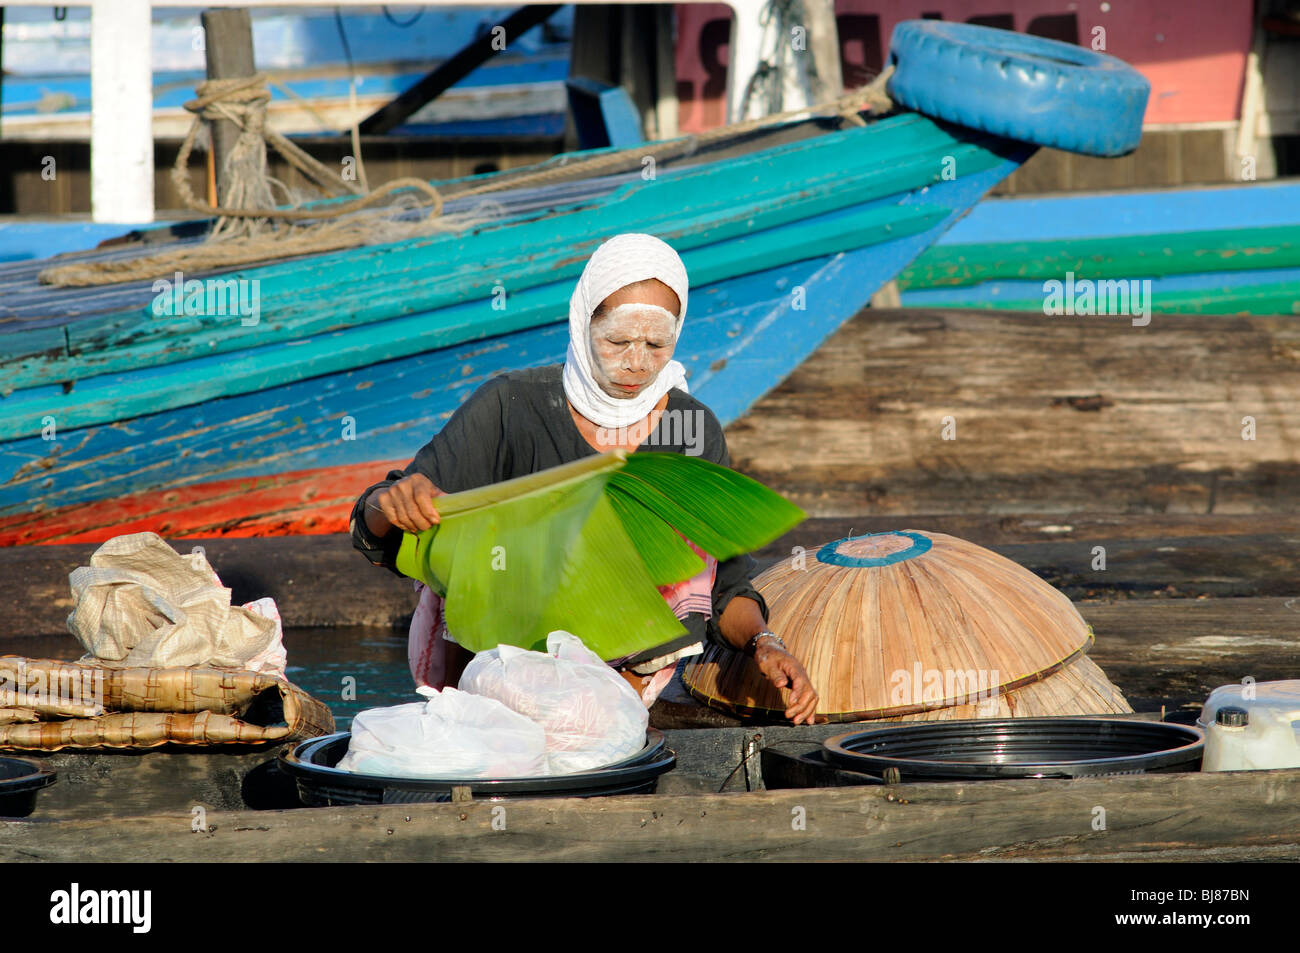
{"x": 1071, "y": 434}
{"x": 323, "y": 581}
{"x": 1234, "y": 816}
{"x": 713, "y": 806}
{"x": 1051, "y": 415}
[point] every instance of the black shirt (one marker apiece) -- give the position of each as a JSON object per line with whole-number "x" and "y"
{"x": 518, "y": 423}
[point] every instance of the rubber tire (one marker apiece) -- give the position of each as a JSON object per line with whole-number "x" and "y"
{"x": 1018, "y": 86}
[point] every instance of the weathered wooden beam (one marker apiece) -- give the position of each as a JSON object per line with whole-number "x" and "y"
{"x": 315, "y": 581}
{"x": 968, "y": 412}
{"x": 1193, "y": 567}
{"x": 1174, "y": 652}
{"x": 998, "y": 530}
{"x": 452, "y": 71}
{"x": 1144, "y": 817}
{"x": 229, "y": 52}
{"x": 94, "y": 785}
{"x": 1102, "y": 567}
{"x": 321, "y": 581}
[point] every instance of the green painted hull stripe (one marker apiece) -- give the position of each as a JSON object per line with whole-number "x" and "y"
{"x": 1131, "y": 256}
{"x": 1275, "y": 298}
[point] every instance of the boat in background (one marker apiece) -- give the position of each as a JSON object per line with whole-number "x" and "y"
{"x": 1232, "y": 249}
{"x": 126, "y": 410}
{"x": 328, "y": 72}
{"x": 505, "y": 97}
{"x": 783, "y": 244}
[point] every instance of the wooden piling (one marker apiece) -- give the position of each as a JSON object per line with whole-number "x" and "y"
{"x": 229, "y": 46}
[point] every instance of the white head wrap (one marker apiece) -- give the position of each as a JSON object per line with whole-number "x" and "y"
{"x": 621, "y": 261}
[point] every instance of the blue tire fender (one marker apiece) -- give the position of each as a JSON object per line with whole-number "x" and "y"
{"x": 1018, "y": 86}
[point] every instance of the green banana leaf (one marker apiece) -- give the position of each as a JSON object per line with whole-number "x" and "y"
{"x": 583, "y": 546}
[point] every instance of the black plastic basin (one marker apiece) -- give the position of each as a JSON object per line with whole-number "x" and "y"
{"x": 19, "y": 783}
{"x": 320, "y": 784}
{"x": 1019, "y": 748}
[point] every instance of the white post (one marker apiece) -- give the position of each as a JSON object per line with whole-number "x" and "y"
{"x": 121, "y": 121}
{"x": 745, "y": 52}
{"x": 666, "y": 107}
{"x": 753, "y": 42}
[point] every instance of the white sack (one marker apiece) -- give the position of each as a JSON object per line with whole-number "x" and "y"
{"x": 592, "y": 716}
{"x": 452, "y": 735}
{"x": 140, "y": 603}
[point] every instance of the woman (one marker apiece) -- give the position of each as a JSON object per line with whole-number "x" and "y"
{"x": 618, "y": 387}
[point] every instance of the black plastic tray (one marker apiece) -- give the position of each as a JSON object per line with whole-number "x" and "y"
{"x": 807, "y": 769}
{"x": 19, "y": 783}
{"x": 320, "y": 784}
{"x": 1019, "y": 748}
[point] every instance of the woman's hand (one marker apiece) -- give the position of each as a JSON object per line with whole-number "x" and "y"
{"x": 785, "y": 671}
{"x": 407, "y": 505}
{"x": 740, "y": 622}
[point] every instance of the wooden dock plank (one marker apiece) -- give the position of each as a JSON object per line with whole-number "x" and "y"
{"x": 322, "y": 581}
{"x": 1258, "y": 564}
{"x": 1145, "y": 817}
{"x": 1048, "y": 414}
{"x": 1175, "y": 652}
{"x": 315, "y": 581}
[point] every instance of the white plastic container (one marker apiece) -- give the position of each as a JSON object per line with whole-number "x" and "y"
{"x": 1245, "y": 733}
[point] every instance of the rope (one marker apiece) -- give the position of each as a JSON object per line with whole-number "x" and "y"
{"x": 243, "y": 102}
{"x": 246, "y": 231}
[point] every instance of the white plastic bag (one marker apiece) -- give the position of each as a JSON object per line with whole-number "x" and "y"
{"x": 452, "y": 735}
{"x": 142, "y": 604}
{"x": 592, "y": 716}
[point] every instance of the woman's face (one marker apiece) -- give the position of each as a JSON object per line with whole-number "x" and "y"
{"x": 630, "y": 347}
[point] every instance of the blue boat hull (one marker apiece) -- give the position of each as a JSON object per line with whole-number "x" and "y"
{"x": 742, "y": 337}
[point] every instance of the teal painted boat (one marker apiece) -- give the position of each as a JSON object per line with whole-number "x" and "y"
{"x": 1231, "y": 249}
{"x": 126, "y": 408}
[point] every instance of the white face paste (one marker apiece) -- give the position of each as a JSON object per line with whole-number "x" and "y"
{"x": 630, "y": 346}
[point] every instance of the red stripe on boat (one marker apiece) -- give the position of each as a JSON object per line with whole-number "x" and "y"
{"x": 300, "y": 502}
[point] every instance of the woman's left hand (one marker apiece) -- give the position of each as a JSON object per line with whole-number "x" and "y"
{"x": 785, "y": 671}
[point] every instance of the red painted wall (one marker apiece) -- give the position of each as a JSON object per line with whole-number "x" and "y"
{"x": 1192, "y": 51}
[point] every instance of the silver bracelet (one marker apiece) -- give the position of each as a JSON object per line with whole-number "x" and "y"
{"x": 752, "y": 646}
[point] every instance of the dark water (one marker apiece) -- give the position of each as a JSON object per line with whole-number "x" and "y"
{"x": 349, "y": 669}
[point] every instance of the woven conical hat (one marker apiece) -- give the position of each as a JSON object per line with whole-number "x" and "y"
{"x": 897, "y": 623}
